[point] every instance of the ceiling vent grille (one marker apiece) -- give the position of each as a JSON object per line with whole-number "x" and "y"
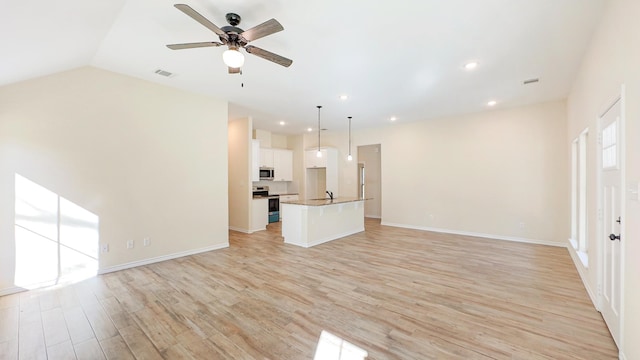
{"x": 163, "y": 73}
{"x": 530, "y": 81}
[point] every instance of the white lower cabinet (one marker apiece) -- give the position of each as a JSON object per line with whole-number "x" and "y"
{"x": 260, "y": 214}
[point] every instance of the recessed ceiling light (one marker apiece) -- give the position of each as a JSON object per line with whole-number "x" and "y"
{"x": 282, "y": 123}
{"x": 471, "y": 65}
{"x": 344, "y": 97}
{"x": 492, "y": 103}
{"x": 393, "y": 118}
{"x": 309, "y": 129}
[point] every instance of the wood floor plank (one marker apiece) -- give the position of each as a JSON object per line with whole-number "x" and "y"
{"x": 9, "y": 349}
{"x": 115, "y": 348}
{"x": 49, "y": 300}
{"x": 78, "y": 325}
{"x": 396, "y": 293}
{"x": 9, "y": 317}
{"x": 89, "y": 350}
{"x": 31, "y": 344}
{"x": 55, "y": 327}
{"x": 139, "y": 343}
{"x": 101, "y": 323}
{"x": 61, "y": 351}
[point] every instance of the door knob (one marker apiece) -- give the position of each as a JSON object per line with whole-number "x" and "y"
{"x": 613, "y": 237}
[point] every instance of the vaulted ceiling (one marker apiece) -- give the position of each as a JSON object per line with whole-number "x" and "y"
{"x": 402, "y": 58}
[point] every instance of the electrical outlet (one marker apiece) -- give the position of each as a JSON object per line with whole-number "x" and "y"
{"x": 521, "y": 225}
{"x": 130, "y": 244}
{"x": 104, "y": 248}
{"x": 146, "y": 241}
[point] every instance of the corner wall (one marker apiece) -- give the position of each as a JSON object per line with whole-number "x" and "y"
{"x": 145, "y": 158}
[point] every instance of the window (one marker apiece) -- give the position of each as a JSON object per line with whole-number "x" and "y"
{"x": 579, "y": 238}
{"x": 610, "y": 146}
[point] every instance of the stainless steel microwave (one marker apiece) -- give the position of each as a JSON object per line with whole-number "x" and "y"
{"x": 266, "y": 173}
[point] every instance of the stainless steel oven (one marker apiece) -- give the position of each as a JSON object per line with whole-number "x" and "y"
{"x": 274, "y": 208}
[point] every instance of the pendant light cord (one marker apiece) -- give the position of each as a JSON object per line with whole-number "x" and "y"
{"x": 350, "y": 135}
{"x": 319, "y": 107}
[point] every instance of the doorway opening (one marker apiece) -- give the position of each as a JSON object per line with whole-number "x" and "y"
{"x": 369, "y": 179}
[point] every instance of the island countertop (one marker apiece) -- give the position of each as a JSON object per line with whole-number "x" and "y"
{"x": 324, "y": 202}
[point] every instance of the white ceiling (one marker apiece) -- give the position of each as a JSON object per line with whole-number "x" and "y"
{"x": 400, "y": 58}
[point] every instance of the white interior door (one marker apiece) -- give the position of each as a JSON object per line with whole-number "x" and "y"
{"x": 611, "y": 218}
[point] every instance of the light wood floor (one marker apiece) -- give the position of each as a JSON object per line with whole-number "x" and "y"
{"x": 397, "y": 293}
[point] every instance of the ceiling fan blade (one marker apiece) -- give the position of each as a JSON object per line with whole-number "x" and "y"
{"x": 268, "y": 55}
{"x": 266, "y": 28}
{"x": 193, "y": 45}
{"x": 201, "y": 19}
{"x": 234, "y": 70}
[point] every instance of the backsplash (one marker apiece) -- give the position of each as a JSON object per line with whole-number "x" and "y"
{"x": 279, "y": 187}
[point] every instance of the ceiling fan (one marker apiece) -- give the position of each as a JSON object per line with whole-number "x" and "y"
{"x": 235, "y": 38}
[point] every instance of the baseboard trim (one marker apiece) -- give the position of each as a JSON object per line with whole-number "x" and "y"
{"x": 480, "y": 235}
{"x": 621, "y": 356}
{"x": 11, "y": 290}
{"x": 233, "y": 228}
{"x": 245, "y": 231}
{"x": 373, "y": 216}
{"x": 161, "y": 258}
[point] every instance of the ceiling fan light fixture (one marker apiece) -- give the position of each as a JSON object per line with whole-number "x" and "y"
{"x": 233, "y": 58}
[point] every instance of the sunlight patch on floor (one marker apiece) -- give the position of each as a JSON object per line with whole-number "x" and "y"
{"x": 331, "y": 347}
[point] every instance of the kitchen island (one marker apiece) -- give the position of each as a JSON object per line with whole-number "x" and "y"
{"x": 311, "y": 222}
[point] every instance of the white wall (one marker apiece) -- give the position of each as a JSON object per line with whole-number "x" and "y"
{"x": 145, "y": 158}
{"x": 482, "y": 174}
{"x": 612, "y": 60}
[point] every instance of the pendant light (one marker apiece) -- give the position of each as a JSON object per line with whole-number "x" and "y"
{"x": 319, "y": 153}
{"x": 349, "y": 157}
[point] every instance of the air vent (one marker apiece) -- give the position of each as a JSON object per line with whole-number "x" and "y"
{"x": 163, "y": 73}
{"x": 530, "y": 81}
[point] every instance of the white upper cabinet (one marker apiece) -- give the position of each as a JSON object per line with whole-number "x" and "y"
{"x": 281, "y": 160}
{"x": 266, "y": 157}
{"x": 282, "y": 165}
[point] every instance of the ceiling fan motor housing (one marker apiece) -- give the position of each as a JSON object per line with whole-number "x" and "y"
{"x": 233, "y": 19}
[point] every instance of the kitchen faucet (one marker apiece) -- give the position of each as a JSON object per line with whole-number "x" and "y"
{"x": 330, "y": 193}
